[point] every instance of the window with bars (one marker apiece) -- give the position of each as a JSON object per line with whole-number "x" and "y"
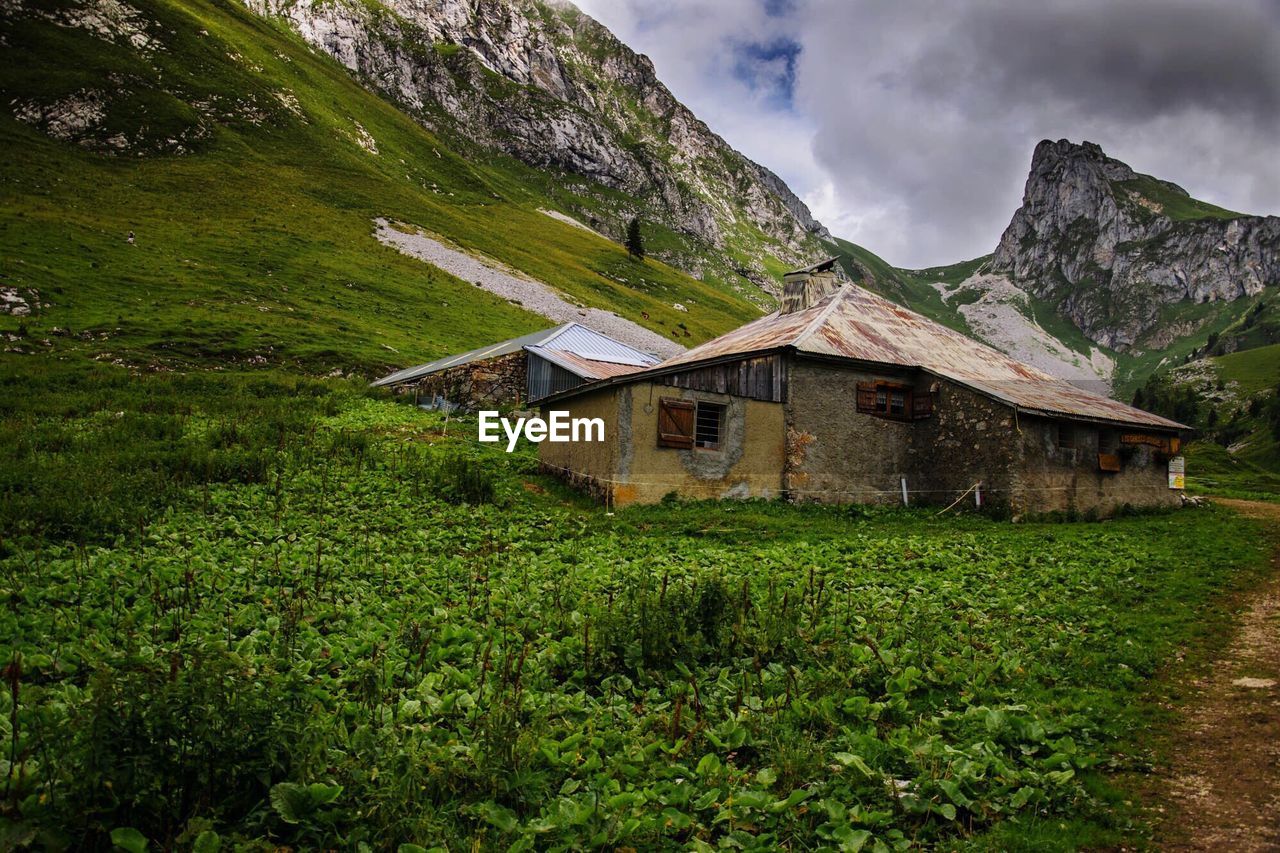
{"x": 686, "y": 424}
{"x": 1108, "y": 441}
{"x": 708, "y": 424}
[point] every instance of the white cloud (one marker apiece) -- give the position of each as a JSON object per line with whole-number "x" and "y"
{"x": 912, "y": 123}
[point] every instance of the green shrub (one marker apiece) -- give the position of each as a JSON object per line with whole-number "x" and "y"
{"x": 155, "y": 744}
{"x": 458, "y": 478}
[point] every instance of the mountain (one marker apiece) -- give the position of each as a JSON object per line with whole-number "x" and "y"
{"x": 548, "y": 85}
{"x": 1112, "y": 247}
{"x": 259, "y": 150}
{"x": 203, "y": 187}
{"x": 1107, "y": 276}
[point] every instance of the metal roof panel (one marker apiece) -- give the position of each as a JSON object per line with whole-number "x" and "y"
{"x": 490, "y": 351}
{"x": 568, "y": 337}
{"x": 857, "y": 324}
{"x": 590, "y": 344}
{"x": 590, "y": 369}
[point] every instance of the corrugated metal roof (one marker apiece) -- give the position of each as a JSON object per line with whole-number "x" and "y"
{"x": 572, "y": 337}
{"x": 857, "y": 324}
{"x": 590, "y": 344}
{"x": 490, "y": 351}
{"x": 586, "y": 368}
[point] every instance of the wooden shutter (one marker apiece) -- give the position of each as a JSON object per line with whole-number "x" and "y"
{"x": 866, "y": 398}
{"x": 675, "y": 423}
{"x": 1109, "y": 461}
{"x": 921, "y": 406}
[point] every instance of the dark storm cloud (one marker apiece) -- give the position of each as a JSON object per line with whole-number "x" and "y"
{"x": 926, "y": 115}
{"x": 1130, "y": 61}
{"x": 908, "y": 126}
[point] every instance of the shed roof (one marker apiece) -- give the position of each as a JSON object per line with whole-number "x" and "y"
{"x": 568, "y": 338}
{"x": 854, "y": 323}
{"x": 587, "y": 368}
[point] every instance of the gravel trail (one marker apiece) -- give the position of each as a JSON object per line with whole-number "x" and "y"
{"x": 532, "y": 295}
{"x": 1224, "y": 778}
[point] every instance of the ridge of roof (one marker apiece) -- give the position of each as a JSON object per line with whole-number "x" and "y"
{"x": 820, "y": 266}
{"x": 832, "y": 302}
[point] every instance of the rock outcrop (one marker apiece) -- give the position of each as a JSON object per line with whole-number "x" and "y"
{"x": 1110, "y": 247}
{"x": 547, "y": 84}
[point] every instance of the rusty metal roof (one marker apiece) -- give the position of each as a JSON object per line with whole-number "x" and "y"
{"x": 857, "y": 324}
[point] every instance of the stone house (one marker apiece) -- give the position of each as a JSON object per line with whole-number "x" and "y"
{"x": 843, "y": 396}
{"x": 521, "y": 370}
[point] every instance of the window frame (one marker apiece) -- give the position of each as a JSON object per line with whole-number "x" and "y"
{"x": 876, "y": 398}
{"x": 721, "y": 410}
{"x": 1065, "y": 436}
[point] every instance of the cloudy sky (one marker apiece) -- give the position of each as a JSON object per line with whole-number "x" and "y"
{"x": 908, "y": 126}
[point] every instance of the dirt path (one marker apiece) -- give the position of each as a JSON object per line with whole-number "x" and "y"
{"x": 515, "y": 286}
{"x": 1225, "y": 756}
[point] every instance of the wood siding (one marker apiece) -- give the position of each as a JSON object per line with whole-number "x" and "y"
{"x": 763, "y": 378}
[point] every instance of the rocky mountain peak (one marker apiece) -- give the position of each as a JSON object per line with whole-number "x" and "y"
{"x": 1110, "y": 247}
{"x": 543, "y": 82}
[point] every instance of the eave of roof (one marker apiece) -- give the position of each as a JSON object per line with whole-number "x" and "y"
{"x": 491, "y": 351}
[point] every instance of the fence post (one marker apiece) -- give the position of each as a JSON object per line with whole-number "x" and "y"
{"x": 977, "y": 495}
{"x": 904, "y": 492}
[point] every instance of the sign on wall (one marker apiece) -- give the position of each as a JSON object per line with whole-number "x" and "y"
{"x": 1178, "y": 472}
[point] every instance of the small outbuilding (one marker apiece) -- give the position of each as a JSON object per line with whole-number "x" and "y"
{"x": 844, "y": 396}
{"x": 521, "y": 370}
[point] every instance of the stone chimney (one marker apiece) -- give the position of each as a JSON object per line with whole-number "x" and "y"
{"x": 806, "y": 287}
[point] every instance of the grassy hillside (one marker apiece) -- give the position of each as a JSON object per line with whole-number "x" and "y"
{"x": 252, "y": 607}
{"x": 1252, "y": 371}
{"x": 253, "y": 230}
{"x": 1172, "y": 200}
{"x": 1234, "y": 403}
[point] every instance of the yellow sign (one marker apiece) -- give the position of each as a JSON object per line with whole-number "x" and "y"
{"x": 1178, "y": 472}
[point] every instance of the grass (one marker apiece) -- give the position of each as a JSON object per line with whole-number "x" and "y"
{"x": 463, "y": 652}
{"x": 258, "y": 245}
{"x": 1136, "y": 365}
{"x": 1212, "y": 470}
{"x": 1175, "y": 204}
{"x": 1253, "y": 370}
{"x": 250, "y": 605}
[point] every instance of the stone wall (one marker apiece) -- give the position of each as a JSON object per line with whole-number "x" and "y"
{"x": 837, "y": 455}
{"x": 586, "y": 465}
{"x": 834, "y": 454}
{"x": 970, "y": 439}
{"x": 1053, "y": 479}
{"x": 818, "y": 447}
{"x": 493, "y": 383}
